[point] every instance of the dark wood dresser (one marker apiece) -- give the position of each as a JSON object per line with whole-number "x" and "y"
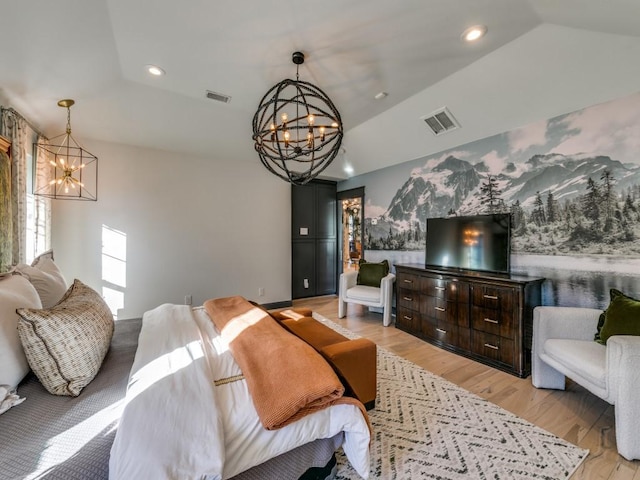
{"x": 482, "y": 316}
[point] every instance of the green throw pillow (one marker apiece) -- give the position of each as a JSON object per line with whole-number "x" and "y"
{"x": 622, "y": 317}
{"x": 599, "y": 328}
{"x": 371, "y": 274}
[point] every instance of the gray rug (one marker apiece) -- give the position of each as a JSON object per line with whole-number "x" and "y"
{"x": 427, "y": 427}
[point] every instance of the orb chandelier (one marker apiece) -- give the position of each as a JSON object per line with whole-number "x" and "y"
{"x": 74, "y": 169}
{"x": 297, "y": 130}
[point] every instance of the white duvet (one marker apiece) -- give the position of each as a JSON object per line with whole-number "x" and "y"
{"x": 177, "y": 425}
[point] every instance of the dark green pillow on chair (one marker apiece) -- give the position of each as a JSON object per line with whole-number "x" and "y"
{"x": 622, "y": 317}
{"x": 371, "y": 274}
{"x": 599, "y": 327}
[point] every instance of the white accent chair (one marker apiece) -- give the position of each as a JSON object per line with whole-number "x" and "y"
{"x": 373, "y": 297}
{"x": 563, "y": 345}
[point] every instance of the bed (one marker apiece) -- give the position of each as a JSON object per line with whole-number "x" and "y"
{"x": 60, "y": 437}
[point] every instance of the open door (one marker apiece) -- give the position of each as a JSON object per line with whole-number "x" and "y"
{"x": 351, "y": 216}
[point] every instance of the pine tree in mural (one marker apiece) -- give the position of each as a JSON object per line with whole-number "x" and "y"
{"x": 629, "y": 209}
{"x": 490, "y": 195}
{"x": 518, "y": 219}
{"x": 537, "y": 215}
{"x": 552, "y": 208}
{"x": 591, "y": 201}
{"x": 607, "y": 200}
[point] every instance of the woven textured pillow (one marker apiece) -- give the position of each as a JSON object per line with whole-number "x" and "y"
{"x": 65, "y": 344}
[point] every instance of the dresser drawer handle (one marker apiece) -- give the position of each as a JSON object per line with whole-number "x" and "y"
{"x": 440, "y": 288}
{"x": 488, "y": 345}
{"x": 408, "y": 299}
{"x": 408, "y": 281}
{"x": 440, "y": 330}
{"x": 407, "y": 317}
{"x": 490, "y": 320}
{"x": 491, "y": 297}
{"x": 440, "y": 309}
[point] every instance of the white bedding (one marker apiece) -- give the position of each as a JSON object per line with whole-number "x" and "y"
{"x": 178, "y": 425}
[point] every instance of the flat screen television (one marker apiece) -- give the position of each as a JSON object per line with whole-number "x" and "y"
{"x": 478, "y": 242}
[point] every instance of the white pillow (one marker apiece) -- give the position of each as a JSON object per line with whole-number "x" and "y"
{"x": 48, "y": 254}
{"x": 15, "y": 292}
{"x": 45, "y": 275}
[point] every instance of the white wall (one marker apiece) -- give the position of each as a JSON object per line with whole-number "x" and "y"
{"x": 198, "y": 226}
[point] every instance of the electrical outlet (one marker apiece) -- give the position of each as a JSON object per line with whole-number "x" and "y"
{"x": 306, "y": 283}
{"x": 187, "y": 299}
{"x": 261, "y": 292}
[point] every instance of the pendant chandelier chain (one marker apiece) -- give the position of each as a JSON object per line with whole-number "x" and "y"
{"x": 69, "y": 120}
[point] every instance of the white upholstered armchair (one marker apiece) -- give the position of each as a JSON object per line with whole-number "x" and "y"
{"x": 373, "y": 297}
{"x": 563, "y": 345}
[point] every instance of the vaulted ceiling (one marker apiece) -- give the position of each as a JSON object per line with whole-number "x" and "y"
{"x": 539, "y": 58}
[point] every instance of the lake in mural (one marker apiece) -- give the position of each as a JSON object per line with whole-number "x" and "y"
{"x": 572, "y": 185}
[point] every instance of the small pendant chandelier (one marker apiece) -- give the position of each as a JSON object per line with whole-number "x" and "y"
{"x": 297, "y": 130}
{"x": 75, "y": 170}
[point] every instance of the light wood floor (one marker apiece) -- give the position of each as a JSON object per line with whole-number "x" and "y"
{"x": 574, "y": 414}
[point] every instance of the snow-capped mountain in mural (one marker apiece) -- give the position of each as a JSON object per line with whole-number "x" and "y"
{"x": 455, "y": 186}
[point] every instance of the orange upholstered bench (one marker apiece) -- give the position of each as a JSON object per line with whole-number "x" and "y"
{"x": 354, "y": 361}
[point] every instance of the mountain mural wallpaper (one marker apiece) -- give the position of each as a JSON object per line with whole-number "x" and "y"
{"x": 572, "y": 185}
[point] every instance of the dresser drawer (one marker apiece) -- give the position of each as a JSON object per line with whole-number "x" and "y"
{"x": 409, "y": 299}
{"x": 408, "y": 281}
{"x": 440, "y": 310}
{"x": 445, "y": 333}
{"x": 501, "y": 298}
{"x": 408, "y": 320}
{"x": 439, "y": 288}
{"x": 493, "y": 347}
{"x": 493, "y": 321}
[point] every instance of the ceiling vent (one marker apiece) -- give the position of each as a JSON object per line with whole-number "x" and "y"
{"x": 218, "y": 97}
{"x": 441, "y": 121}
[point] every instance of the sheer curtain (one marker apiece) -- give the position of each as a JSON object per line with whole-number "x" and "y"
{"x": 31, "y": 215}
{"x": 41, "y": 205}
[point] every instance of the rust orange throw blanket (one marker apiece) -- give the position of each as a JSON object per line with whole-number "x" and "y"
{"x": 287, "y": 378}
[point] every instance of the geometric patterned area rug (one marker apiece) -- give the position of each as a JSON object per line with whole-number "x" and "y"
{"x": 427, "y": 427}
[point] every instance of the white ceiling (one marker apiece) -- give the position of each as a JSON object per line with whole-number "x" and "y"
{"x": 531, "y": 65}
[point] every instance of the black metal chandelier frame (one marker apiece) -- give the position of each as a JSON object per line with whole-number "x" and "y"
{"x": 299, "y": 148}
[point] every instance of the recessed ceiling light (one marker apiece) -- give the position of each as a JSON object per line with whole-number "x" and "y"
{"x": 348, "y": 169}
{"x": 381, "y": 95}
{"x": 154, "y": 70}
{"x": 474, "y": 33}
